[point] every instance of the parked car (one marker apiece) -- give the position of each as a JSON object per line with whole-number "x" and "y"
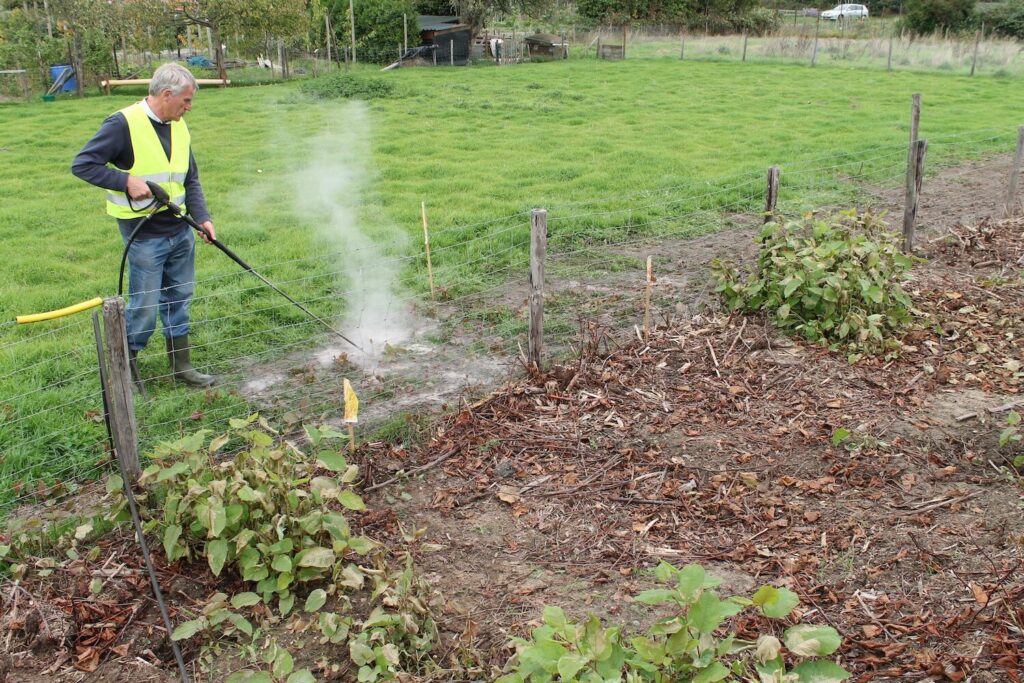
{"x": 840, "y": 12}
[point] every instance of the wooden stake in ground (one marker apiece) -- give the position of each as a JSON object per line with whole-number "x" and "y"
{"x": 974, "y": 60}
{"x": 744, "y": 46}
{"x": 1012, "y": 200}
{"x": 119, "y": 390}
{"x": 817, "y": 28}
{"x": 909, "y": 195}
{"x": 647, "y": 296}
{"x": 351, "y": 413}
{"x": 771, "y": 196}
{"x": 426, "y": 246}
{"x": 920, "y": 149}
{"x": 682, "y": 45}
{"x": 538, "y": 251}
{"x": 888, "y": 66}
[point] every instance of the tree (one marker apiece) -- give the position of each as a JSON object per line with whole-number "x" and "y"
{"x": 928, "y": 16}
{"x": 255, "y": 17}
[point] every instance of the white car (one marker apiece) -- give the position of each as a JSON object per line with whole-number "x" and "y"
{"x": 840, "y": 12}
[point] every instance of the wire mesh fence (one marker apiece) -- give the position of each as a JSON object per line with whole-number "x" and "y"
{"x": 424, "y": 344}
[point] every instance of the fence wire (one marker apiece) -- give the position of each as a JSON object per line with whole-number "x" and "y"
{"x": 428, "y": 350}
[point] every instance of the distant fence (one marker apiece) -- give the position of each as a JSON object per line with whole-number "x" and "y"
{"x": 548, "y": 273}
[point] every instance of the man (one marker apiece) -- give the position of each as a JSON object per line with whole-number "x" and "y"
{"x": 149, "y": 140}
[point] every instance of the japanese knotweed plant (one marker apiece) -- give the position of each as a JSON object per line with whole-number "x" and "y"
{"x": 275, "y": 516}
{"x": 680, "y": 648}
{"x": 834, "y": 280}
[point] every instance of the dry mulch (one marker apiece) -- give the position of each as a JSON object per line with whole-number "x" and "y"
{"x": 712, "y": 441}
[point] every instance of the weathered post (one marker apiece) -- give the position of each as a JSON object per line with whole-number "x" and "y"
{"x": 352, "y": 27}
{"x": 327, "y": 32}
{"x": 1012, "y": 200}
{"x": 538, "y": 250}
{"x": 647, "y": 296}
{"x": 974, "y": 60}
{"x": 910, "y": 214}
{"x": 909, "y": 194}
{"x": 744, "y": 46}
{"x": 624, "y": 31}
{"x": 426, "y": 246}
{"x": 682, "y": 45}
{"x": 405, "y": 30}
{"x": 817, "y": 29}
{"x": 888, "y": 66}
{"x": 119, "y": 390}
{"x": 771, "y": 195}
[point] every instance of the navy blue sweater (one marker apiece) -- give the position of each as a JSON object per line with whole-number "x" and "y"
{"x": 112, "y": 144}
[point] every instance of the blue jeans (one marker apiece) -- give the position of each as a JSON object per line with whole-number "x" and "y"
{"x": 161, "y": 277}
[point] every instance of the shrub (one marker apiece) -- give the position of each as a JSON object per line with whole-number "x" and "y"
{"x": 346, "y": 85}
{"x": 928, "y": 16}
{"x": 835, "y": 281}
{"x": 1006, "y": 19}
{"x": 679, "y": 647}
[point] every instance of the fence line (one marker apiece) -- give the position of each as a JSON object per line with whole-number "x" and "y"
{"x": 50, "y": 405}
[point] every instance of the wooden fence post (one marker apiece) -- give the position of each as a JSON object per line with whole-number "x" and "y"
{"x": 647, "y": 296}
{"x": 888, "y": 66}
{"x": 974, "y": 60}
{"x": 682, "y": 45}
{"x": 817, "y": 28}
{"x": 1012, "y": 201}
{"x": 909, "y": 196}
{"x": 771, "y": 197}
{"x": 538, "y": 249}
{"x": 744, "y": 46}
{"x": 119, "y": 390}
{"x": 426, "y": 245}
{"x": 913, "y": 195}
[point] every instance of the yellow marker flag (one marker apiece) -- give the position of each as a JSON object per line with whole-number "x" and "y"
{"x": 351, "y": 404}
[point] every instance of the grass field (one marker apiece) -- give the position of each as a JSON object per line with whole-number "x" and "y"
{"x": 324, "y": 197}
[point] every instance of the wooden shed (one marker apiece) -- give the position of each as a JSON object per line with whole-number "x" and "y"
{"x": 450, "y": 38}
{"x": 547, "y": 46}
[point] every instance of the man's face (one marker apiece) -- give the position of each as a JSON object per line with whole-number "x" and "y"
{"x": 174, "y": 106}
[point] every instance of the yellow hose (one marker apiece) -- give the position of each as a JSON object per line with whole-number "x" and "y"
{"x": 59, "y": 313}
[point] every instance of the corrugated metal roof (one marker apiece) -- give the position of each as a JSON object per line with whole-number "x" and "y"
{"x": 431, "y": 22}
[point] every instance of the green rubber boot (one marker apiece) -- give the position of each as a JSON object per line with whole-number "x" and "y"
{"x": 181, "y": 365}
{"x": 133, "y": 366}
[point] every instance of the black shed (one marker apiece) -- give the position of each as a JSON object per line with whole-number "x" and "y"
{"x": 547, "y": 46}
{"x": 450, "y": 38}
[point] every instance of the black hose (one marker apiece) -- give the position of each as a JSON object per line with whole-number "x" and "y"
{"x": 131, "y": 238}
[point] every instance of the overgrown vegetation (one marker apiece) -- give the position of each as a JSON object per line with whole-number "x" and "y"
{"x": 680, "y": 647}
{"x": 834, "y": 280}
{"x": 275, "y": 517}
{"x": 348, "y": 85}
{"x": 928, "y": 16}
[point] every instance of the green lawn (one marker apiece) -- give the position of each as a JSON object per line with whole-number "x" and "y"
{"x": 325, "y": 197}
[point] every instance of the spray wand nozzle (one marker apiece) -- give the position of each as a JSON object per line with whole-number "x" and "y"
{"x": 161, "y": 197}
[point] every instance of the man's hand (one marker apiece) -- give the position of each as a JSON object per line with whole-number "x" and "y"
{"x": 137, "y": 188}
{"x": 208, "y": 226}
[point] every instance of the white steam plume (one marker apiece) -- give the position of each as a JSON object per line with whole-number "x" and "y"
{"x": 328, "y": 192}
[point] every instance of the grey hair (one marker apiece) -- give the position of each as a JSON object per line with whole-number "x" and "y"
{"x": 171, "y": 76}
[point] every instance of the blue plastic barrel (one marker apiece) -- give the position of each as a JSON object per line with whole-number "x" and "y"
{"x": 55, "y": 73}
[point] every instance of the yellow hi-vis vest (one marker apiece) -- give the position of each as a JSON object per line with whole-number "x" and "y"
{"x": 151, "y": 163}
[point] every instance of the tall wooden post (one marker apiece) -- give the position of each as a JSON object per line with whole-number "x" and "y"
{"x": 647, "y": 296}
{"x": 744, "y": 46}
{"x": 625, "y": 29}
{"x": 426, "y": 246}
{"x": 1012, "y": 200}
{"x": 682, "y": 45}
{"x": 327, "y": 31}
{"x": 451, "y": 52}
{"x": 538, "y": 250}
{"x": 977, "y": 41}
{"x": 119, "y": 390}
{"x": 352, "y": 26}
{"x": 913, "y": 195}
{"x": 771, "y": 195}
{"x": 405, "y": 30}
{"x": 817, "y": 29}
{"x": 888, "y": 66}
{"x": 909, "y": 195}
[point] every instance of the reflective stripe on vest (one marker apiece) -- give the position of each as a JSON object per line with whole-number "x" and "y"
{"x": 151, "y": 163}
